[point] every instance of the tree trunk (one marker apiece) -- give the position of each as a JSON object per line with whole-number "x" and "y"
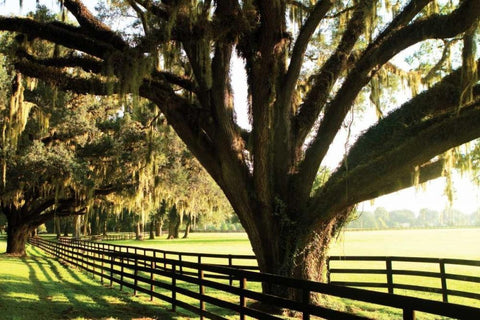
{"x": 188, "y": 226}
{"x": 138, "y": 232}
{"x": 173, "y": 228}
{"x": 17, "y": 236}
{"x": 66, "y": 227}
{"x": 299, "y": 252}
{"x": 105, "y": 227}
{"x": 58, "y": 230}
{"x": 152, "y": 233}
{"x": 158, "y": 227}
{"x": 78, "y": 227}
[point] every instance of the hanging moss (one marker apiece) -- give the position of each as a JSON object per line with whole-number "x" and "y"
{"x": 469, "y": 66}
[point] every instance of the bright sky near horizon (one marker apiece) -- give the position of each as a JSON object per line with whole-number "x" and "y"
{"x": 467, "y": 195}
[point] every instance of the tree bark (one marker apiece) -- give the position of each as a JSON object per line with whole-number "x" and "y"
{"x": 66, "y": 227}
{"x": 296, "y": 250}
{"x": 58, "y": 230}
{"x": 17, "y": 236}
{"x": 158, "y": 227}
{"x": 138, "y": 231}
{"x": 152, "y": 233}
{"x": 188, "y": 226}
{"x": 78, "y": 227}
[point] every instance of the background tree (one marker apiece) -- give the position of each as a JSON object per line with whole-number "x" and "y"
{"x": 306, "y": 64}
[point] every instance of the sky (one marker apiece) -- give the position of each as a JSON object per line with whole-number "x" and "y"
{"x": 467, "y": 195}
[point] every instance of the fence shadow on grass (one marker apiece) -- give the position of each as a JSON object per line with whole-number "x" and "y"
{"x": 41, "y": 288}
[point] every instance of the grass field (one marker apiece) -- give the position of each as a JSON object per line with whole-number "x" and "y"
{"x": 441, "y": 243}
{"x": 40, "y": 288}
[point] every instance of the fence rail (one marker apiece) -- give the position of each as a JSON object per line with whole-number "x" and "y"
{"x": 146, "y": 270}
{"x": 418, "y": 267}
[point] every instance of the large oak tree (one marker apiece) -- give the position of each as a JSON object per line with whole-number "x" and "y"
{"x": 179, "y": 57}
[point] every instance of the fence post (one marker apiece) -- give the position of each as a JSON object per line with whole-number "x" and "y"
{"x": 121, "y": 273}
{"x": 306, "y": 302}
{"x": 135, "y": 281}
{"x": 243, "y": 302}
{"x": 328, "y": 269}
{"x": 388, "y": 261}
{"x": 164, "y": 261}
{"x": 201, "y": 290}
{"x": 174, "y": 288}
{"x": 444, "y": 280}
{"x": 181, "y": 265}
{"x": 93, "y": 259}
{"x": 112, "y": 259}
{"x": 102, "y": 257}
{"x": 408, "y": 314}
{"x": 152, "y": 267}
{"x": 230, "y": 264}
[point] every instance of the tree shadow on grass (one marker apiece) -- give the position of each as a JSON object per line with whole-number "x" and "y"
{"x": 53, "y": 291}
{"x": 72, "y": 282}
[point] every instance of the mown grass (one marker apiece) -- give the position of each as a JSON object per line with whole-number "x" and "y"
{"x": 436, "y": 243}
{"x": 445, "y": 243}
{"x": 38, "y": 287}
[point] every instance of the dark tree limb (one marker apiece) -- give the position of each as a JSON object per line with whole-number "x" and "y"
{"x": 327, "y": 76}
{"x": 412, "y": 176}
{"x": 402, "y": 19}
{"x": 442, "y": 98}
{"x": 92, "y": 25}
{"x": 434, "y": 136}
{"x": 60, "y": 79}
{"x": 308, "y": 28}
{"x": 59, "y": 33}
{"x": 433, "y": 27}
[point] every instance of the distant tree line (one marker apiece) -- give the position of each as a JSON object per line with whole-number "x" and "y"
{"x": 425, "y": 218}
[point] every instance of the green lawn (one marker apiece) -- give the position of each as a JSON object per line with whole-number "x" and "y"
{"x": 444, "y": 243}
{"x": 37, "y": 287}
{"x": 437, "y": 243}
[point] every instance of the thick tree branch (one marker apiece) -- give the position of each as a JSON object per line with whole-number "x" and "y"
{"x": 407, "y": 179}
{"x": 402, "y": 19}
{"x": 141, "y": 15}
{"x": 328, "y": 75}
{"x": 319, "y": 11}
{"x": 85, "y": 63}
{"x": 92, "y": 25}
{"x": 64, "y": 81}
{"x": 433, "y": 27}
{"x": 442, "y": 98}
{"x": 96, "y": 66}
{"x": 67, "y": 36}
{"x": 433, "y": 137}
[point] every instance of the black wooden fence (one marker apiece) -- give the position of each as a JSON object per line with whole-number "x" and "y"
{"x": 172, "y": 280}
{"x": 418, "y": 267}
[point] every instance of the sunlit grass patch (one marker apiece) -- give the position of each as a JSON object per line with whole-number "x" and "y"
{"x": 39, "y": 287}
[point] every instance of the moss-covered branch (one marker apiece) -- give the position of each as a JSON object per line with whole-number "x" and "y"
{"x": 92, "y": 25}
{"x": 438, "y": 26}
{"x": 59, "y": 33}
{"x": 431, "y": 138}
{"x": 308, "y": 28}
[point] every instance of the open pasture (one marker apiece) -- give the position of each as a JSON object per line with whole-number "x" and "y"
{"x": 435, "y": 243}
{"x": 438, "y": 243}
{"x": 38, "y": 287}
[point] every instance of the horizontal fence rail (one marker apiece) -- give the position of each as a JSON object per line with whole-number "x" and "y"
{"x": 180, "y": 282}
{"x": 418, "y": 267}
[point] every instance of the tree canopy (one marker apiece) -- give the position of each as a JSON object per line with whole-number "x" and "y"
{"x": 66, "y": 154}
{"x": 308, "y": 64}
